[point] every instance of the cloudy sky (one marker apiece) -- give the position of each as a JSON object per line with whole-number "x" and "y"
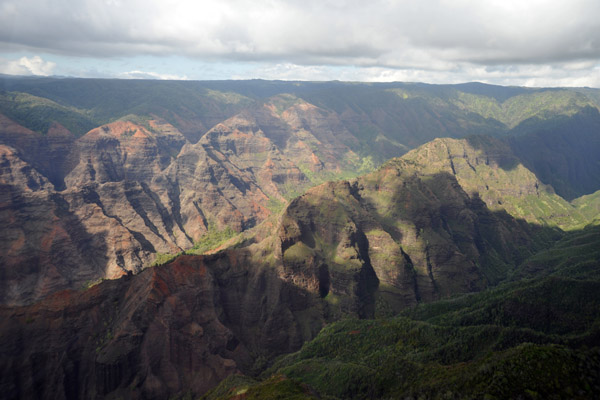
{"x": 521, "y": 42}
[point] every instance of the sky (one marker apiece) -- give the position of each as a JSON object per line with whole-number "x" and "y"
{"x": 506, "y": 42}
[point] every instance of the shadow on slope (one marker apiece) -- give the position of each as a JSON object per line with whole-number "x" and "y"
{"x": 524, "y": 339}
{"x": 187, "y": 325}
{"x": 181, "y": 327}
{"x": 562, "y": 152}
{"x": 36, "y": 264}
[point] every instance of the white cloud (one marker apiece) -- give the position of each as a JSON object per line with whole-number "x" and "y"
{"x": 382, "y": 38}
{"x": 151, "y": 75}
{"x": 27, "y": 66}
{"x": 563, "y": 75}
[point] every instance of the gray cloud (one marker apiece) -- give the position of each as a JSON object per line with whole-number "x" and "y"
{"x": 380, "y": 32}
{"x": 427, "y": 35}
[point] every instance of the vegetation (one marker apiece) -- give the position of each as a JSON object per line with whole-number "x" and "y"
{"x": 589, "y": 207}
{"x": 83, "y": 104}
{"x": 536, "y": 337}
{"x": 88, "y": 284}
{"x": 164, "y": 258}
{"x": 487, "y": 168}
{"x": 277, "y": 387}
{"x": 38, "y": 114}
{"x": 577, "y": 255}
{"x": 562, "y": 152}
{"x": 139, "y": 120}
{"x": 275, "y": 205}
{"x": 513, "y": 111}
{"x": 232, "y": 385}
{"x": 212, "y": 239}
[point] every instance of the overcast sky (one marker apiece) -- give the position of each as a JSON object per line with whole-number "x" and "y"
{"x": 522, "y": 42}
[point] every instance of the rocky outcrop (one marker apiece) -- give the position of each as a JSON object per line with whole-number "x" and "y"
{"x": 136, "y": 187}
{"x": 139, "y": 186}
{"x": 53, "y": 155}
{"x": 141, "y": 190}
{"x": 394, "y": 238}
{"x": 364, "y": 248}
{"x": 106, "y": 222}
{"x": 173, "y": 329}
{"x": 17, "y": 173}
{"x": 487, "y": 168}
{"x": 55, "y": 240}
{"x": 75, "y": 211}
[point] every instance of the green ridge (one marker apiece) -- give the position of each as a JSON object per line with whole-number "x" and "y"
{"x": 38, "y": 114}
{"x": 534, "y": 338}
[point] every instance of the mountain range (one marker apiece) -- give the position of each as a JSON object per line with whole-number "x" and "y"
{"x": 163, "y": 238}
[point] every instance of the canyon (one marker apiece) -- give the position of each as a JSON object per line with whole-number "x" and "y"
{"x": 339, "y": 201}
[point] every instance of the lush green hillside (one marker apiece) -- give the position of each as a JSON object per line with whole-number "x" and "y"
{"x": 563, "y": 152}
{"x": 487, "y": 168}
{"x": 479, "y": 194}
{"x": 589, "y": 206}
{"x": 191, "y": 107}
{"x": 38, "y": 113}
{"x": 533, "y": 338}
{"x": 403, "y": 358}
{"x": 577, "y": 255}
{"x": 387, "y": 119}
{"x": 514, "y": 110}
{"x": 593, "y": 94}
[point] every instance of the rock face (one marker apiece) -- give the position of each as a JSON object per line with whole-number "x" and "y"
{"x": 488, "y": 168}
{"x": 171, "y": 329}
{"x": 51, "y": 155}
{"x": 438, "y": 222}
{"x": 127, "y": 190}
{"x": 137, "y": 190}
{"x": 169, "y": 162}
{"x": 361, "y": 248}
{"x": 396, "y": 237}
{"x": 94, "y": 228}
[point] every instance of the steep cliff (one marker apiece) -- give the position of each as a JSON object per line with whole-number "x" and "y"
{"x": 488, "y": 168}
{"x": 136, "y": 187}
{"x": 180, "y": 327}
{"x": 364, "y": 248}
{"x": 396, "y": 237}
{"x": 170, "y": 162}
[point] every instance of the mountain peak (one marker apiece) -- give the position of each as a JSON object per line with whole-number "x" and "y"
{"x": 120, "y": 130}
